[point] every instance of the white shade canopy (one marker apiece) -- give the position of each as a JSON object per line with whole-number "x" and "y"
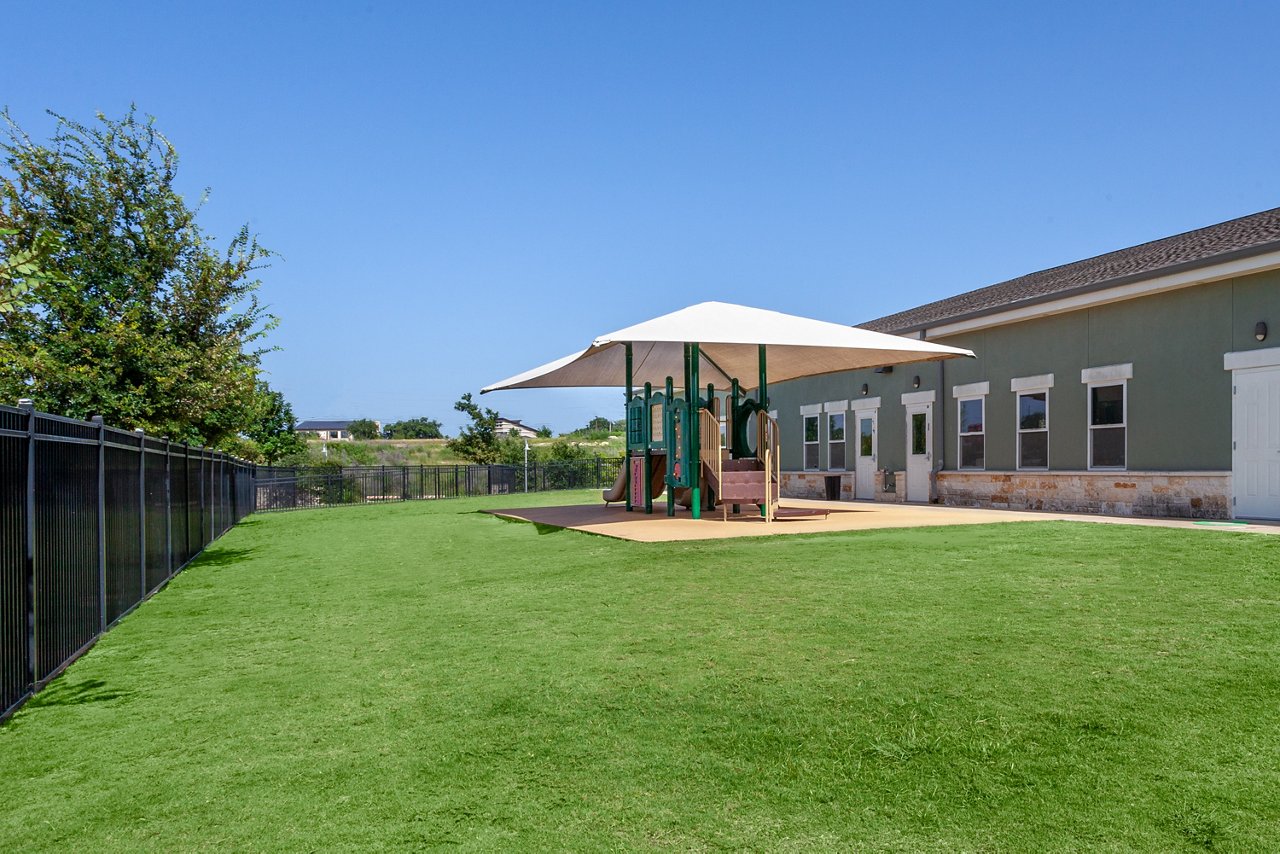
{"x": 729, "y": 337}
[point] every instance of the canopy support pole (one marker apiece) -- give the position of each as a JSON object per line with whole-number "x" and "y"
{"x": 692, "y": 439}
{"x": 764, "y": 413}
{"x": 626, "y": 443}
{"x": 647, "y": 421}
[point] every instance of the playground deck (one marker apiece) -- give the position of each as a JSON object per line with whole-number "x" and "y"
{"x": 636, "y": 526}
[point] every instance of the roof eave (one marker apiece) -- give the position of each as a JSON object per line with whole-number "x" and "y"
{"x": 1118, "y": 281}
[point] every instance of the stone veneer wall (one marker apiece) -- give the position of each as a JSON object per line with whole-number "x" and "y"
{"x": 1200, "y": 495}
{"x": 813, "y": 484}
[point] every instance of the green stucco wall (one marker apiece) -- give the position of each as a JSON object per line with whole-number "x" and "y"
{"x": 1179, "y": 399}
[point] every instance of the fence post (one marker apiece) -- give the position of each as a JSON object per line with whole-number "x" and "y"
{"x": 102, "y": 522}
{"x": 142, "y": 509}
{"x": 168, "y": 506}
{"x": 32, "y": 616}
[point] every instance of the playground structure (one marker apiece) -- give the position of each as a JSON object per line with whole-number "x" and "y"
{"x": 701, "y": 451}
{"x": 720, "y": 448}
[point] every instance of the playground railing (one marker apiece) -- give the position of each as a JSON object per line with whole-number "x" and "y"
{"x": 712, "y": 456}
{"x": 767, "y": 451}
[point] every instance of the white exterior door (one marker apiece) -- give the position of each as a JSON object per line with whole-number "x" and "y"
{"x": 1255, "y": 435}
{"x": 919, "y": 450}
{"x": 864, "y": 466}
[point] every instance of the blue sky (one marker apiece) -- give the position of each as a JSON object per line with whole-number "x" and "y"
{"x": 459, "y": 192}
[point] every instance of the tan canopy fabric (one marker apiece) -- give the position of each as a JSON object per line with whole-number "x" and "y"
{"x": 729, "y": 337}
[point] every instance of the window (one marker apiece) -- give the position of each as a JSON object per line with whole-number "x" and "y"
{"x": 973, "y": 434}
{"x": 919, "y": 434}
{"x": 811, "y": 442}
{"x": 1033, "y": 430}
{"x": 1107, "y": 441}
{"x": 866, "y": 437}
{"x": 835, "y": 441}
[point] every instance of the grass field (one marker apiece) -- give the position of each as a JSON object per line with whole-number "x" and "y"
{"x": 422, "y": 675}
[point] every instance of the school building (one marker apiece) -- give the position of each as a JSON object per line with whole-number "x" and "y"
{"x": 1145, "y": 381}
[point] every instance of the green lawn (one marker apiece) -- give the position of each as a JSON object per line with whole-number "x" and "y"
{"x": 422, "y": 675}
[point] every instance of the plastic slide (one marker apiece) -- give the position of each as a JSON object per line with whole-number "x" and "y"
{"x": 618, "y": 491}
{"x": 657, "y": 478}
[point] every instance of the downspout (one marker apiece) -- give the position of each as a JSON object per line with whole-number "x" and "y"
{"x": 940, "y": 439}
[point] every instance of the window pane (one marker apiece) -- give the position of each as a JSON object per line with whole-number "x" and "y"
{"x": 1032, "y": 411}
{"x": 811, "y": 456}
{"x": 811, "y": 428}
{"x": 1108, "y": 446}
{"x": 836, "y": 452}
{"x": 864, "y": 431}
{"x": 917, "y": 434}
{"x": 973, "y": 452}
{"x": 971, "y": 416}
{"x": 835, "y": 428}
{"x": 1108, "y": 404}
{"x": 1033, "y": 450}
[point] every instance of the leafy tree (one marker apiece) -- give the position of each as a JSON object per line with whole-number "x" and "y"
{"x": 479, "y": 441}
{"x": 564, "y": 451}
{"x": 414, "y": 428}
{"x": 363, "y": 428}
{"x": 21, "y": 269}
{"x": 544, "y": 432}
{"x": 131, "y": 312}
{"x": 273, "y": 427}
{"x": 598, "y": 424}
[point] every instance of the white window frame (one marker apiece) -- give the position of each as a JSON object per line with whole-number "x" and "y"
{"x": 813, "y": 411}
{"x": 1017, "y": 425}
{"x": 1108, "y": 375}
{"x": 843, "y": 442}
{"x": 960, "y": 436}
{"x": 963, "y": 393}
{"x": 1124, "y": 403}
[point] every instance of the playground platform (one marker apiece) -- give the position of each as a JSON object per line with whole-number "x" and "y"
{"x": 615, "y": 521}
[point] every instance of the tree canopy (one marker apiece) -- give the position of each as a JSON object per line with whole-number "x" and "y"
{"x": 363, "y": 428}
{"x": 478, "y": 441}
{"x": 131, "y": 312}
{"x": 414, "y": 428}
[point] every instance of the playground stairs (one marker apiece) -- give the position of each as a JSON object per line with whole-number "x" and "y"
{"x": 743, "y": 482}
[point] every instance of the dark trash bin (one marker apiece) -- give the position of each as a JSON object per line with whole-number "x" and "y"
{"x": 833, "y": 487}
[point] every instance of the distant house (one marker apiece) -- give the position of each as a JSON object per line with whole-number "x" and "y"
{"x": 333, "y": 431}
{"x": 507, "y": 426}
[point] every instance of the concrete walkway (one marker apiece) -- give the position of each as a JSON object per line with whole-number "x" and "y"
{"x": 637, "y": 526}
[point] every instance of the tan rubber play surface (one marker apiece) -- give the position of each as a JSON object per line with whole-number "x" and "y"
{"x": 615, "y": 521}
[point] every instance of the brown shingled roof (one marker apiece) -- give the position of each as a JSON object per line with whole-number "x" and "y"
{"x": 1248, "y": 235}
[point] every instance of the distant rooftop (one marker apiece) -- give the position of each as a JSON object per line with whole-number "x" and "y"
{"x": 1237, "y": 238}
{"x": 325, "y": 425}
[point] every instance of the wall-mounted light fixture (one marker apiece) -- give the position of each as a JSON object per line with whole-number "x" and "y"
{"x": 1260, "y": 331}
{"x": 915, "y": 381}
{"x": 865, "y": 389}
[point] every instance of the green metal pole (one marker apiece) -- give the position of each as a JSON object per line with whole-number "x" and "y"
{"x": 693, "y": 428}
{"x": 626, "y": 442}
{"x": 647, "y": 428}
{"x": 735, "y": 398}
{"x": 764, "y": 413}
{"x": 764, "y": 382}
{"x": 668, "y": 422}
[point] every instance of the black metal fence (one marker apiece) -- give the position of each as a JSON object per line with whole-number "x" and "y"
{"x": 294, "y": 489}
{"x": 92, "y": 521}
